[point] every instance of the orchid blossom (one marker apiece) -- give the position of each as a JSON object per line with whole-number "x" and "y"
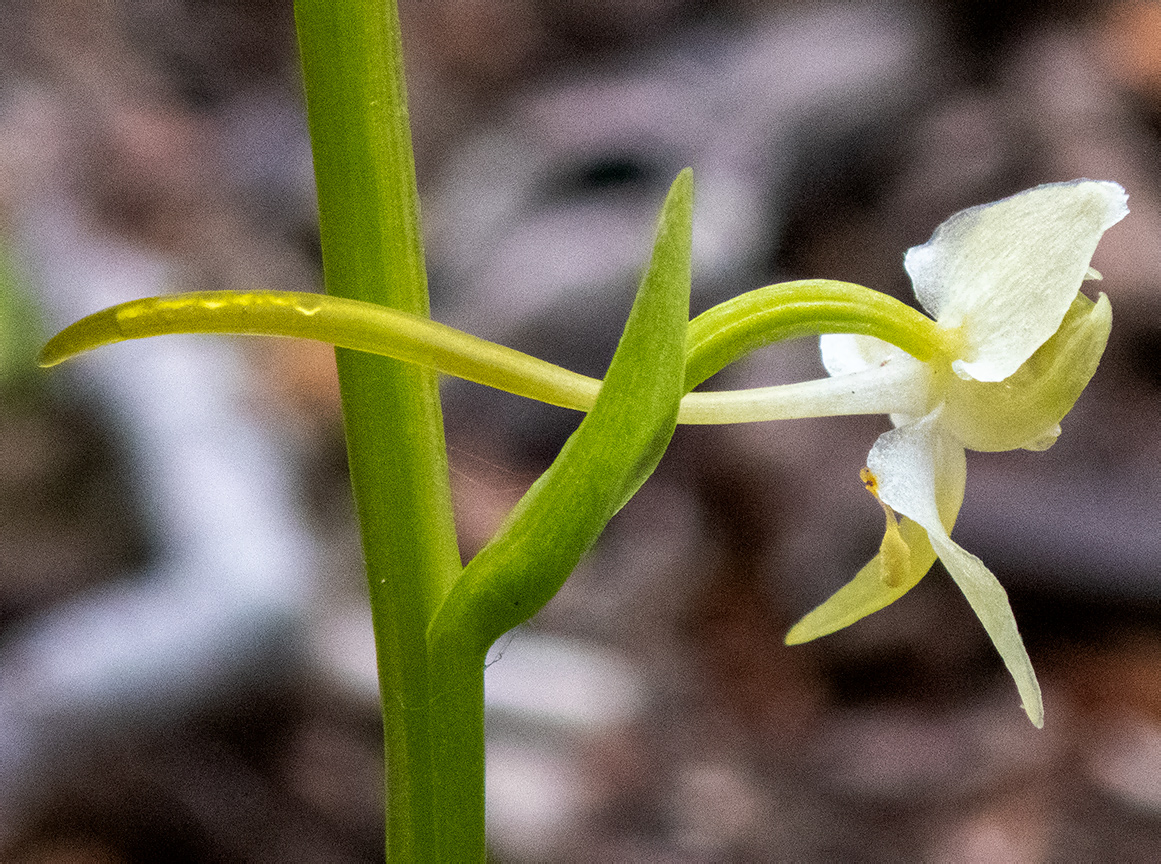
{"x": 1012, "y": 345}
{"x": 1003, "y": 282}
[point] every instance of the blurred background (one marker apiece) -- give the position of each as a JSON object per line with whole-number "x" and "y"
{"x": 186, "y": 666}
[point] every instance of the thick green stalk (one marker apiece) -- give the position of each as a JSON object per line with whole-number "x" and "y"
{"x": 373, "y": 251}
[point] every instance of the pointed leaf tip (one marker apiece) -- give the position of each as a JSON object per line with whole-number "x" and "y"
{"x": 613, "y": 451}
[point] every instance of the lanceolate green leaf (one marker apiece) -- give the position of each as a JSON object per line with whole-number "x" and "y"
{"x": 614, "y": 450}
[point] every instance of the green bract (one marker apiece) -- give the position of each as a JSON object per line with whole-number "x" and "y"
{"x": 1003, "y": 279}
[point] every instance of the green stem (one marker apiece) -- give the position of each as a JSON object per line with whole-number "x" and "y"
{"x": 372, "y": 251}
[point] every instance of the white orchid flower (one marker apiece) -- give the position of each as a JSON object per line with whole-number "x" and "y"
{"x": 1003, "y": 280}
{"x": 1012, "y": 346}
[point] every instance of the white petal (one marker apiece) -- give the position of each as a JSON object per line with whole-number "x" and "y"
{"x": 921, "y": 471}
{"x": 921, "y": 474}
{"x": 1007, "y": 271}
{"x": 847, "y": 353}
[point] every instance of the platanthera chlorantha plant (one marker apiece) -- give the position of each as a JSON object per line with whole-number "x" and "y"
{"x": 1012, "y": 345}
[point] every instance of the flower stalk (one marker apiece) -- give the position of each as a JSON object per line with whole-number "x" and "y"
{"x": 372, "y": 252}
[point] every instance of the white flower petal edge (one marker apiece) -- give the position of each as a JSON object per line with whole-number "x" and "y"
{"x": 911, "y": 462}
{"x": 1006, "y": 272}
{"x": 847, "y": 353}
